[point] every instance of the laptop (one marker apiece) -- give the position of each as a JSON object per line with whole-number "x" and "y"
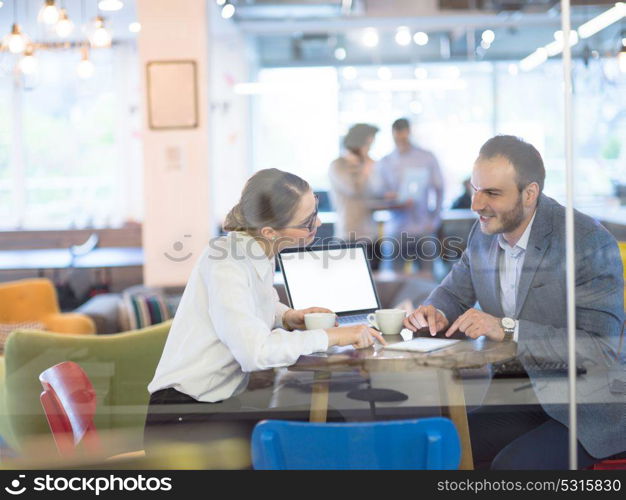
{"x": 336, "y": 276}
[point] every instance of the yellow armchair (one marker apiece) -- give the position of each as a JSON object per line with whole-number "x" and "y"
{"x": 36, "y": 300}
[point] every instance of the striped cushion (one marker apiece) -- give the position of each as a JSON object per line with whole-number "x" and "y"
{"x": 7, "y": 328}
{"x": 145, "y": 310}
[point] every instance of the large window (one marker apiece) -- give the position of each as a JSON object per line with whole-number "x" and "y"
{"x": 73, "y": 142}
{"x": 296, "y": 125}
{"x": 454, "y": 108}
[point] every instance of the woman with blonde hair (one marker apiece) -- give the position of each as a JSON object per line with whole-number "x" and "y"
{"x": 229, "y": 321}
{"x": 353, "y": 191}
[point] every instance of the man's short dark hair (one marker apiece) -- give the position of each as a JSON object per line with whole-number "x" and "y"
{"x": 523, "y": 156}
{"x": 400, "y": 124}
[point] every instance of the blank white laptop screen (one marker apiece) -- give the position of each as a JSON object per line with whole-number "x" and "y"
{"x": 336, "y": 278}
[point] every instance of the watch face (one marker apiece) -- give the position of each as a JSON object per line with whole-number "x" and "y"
{"x": 508, "y": 323}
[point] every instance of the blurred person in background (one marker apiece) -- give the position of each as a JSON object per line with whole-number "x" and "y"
{"x": 410, "y": 178}
{"x": 465, "y": 200}
{"x": 353, "y": 190}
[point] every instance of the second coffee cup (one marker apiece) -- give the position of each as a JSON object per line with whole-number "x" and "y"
{"x": 388, "y": 321}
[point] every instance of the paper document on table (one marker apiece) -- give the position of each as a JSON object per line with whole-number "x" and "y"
{"x": 422, "y": 344}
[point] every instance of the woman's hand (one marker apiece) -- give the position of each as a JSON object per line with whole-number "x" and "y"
{"x": 358, "y": 336}
{"x": 293, "y": 319}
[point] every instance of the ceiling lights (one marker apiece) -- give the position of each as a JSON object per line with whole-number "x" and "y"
{"x": 603, "y": 20}
{"x": 340, "y": 53}
{"x": 420, "y": 38}
{"x": 486, "y": 39}
{"x": 403, "y": 36}
{"x": 100, "y": 37}
{"x": 586, "y": 30}
{"x": 228, "y": 11}
{"x": 85, "y": 68}
{"x": 49, "y": 13}
{"x": 28, "y": 64}
{"x": 16, "y": 41}
{"x": 64, "y": 26}
{"x": 58, "y": 22}
{"x": 370, "y": 38}
{"x": 110, "y": 5}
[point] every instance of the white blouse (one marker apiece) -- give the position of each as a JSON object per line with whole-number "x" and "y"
{"x": 228, "y": 323}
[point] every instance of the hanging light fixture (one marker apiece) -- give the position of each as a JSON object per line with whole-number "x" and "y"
{"x": 100, "y": 36}
{"x": 110, "y": 5}
{"x": 28, "y": 64}
{"x": 65, "y": 26}
{"x": 16, "y": 41}
{"x": 49, "y": 13}
{"x": 85, "y": 68}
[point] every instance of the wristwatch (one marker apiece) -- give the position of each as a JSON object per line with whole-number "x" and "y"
{"x": 508, "y": 325}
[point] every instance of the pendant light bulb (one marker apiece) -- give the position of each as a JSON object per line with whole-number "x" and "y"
{"x": 85, "y": 68}
{"x": 65, "y": 26}
{"x": 100, "y": 36}
{"x": 16, "y": 41}
{"x": 28, "y": 64}
{"x": 49, "y": 13}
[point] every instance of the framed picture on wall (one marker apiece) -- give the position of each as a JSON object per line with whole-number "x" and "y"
{"x": 172, "y": 94}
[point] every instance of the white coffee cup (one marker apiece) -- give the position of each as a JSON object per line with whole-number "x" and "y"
{"x": 388, "y": 321}
{"x": 317, "y": 321}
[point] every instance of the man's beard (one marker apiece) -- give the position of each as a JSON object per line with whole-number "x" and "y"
{"x": 511, "y": 220}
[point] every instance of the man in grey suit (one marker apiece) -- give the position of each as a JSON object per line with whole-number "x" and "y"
{"x": 514, "y": 269}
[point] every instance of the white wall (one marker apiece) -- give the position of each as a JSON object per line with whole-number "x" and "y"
{"x": 176, "y": 190}
{"x": 232, "y": 60}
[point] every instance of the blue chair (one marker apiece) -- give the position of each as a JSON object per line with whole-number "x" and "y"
{"x": 429, "y": 443}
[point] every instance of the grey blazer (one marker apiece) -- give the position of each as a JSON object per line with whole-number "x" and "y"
{"x": 541, "y": 310}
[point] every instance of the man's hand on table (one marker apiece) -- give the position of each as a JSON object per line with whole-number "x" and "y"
{"x": 475, "y": 323}
{"x": 426, "y": 317}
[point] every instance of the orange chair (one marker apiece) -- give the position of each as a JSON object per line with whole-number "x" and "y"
{"x": 32, "y": 300}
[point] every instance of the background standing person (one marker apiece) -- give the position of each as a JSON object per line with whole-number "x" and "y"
{"x": 352, "y": 190}
{"x": 412, "y": 177}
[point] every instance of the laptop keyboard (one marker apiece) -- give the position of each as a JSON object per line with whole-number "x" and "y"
{"x": 353, "y": 319}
